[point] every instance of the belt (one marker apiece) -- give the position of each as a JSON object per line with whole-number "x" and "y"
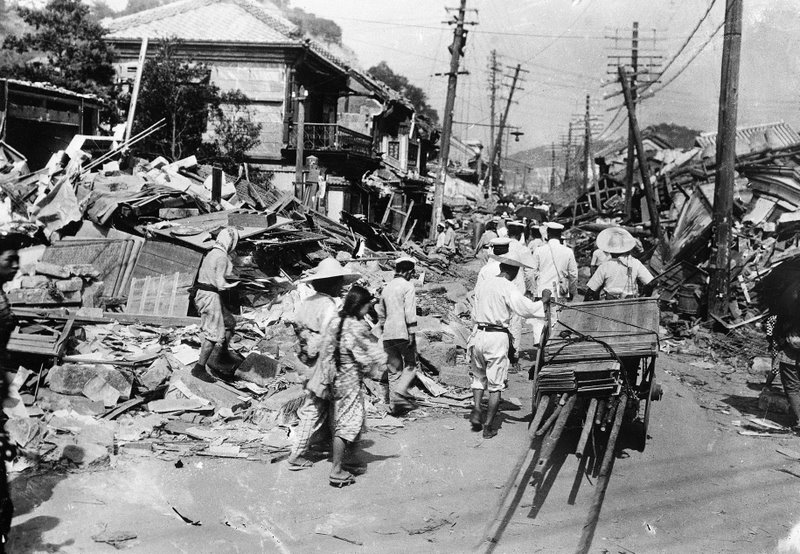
{"x": 492, "y": 328}
{"x": 206, "y": 287}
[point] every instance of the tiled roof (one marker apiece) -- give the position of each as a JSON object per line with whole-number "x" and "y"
{"x": 248, "y": 21}
{"x": 52, "y": 88}
{"x": 756, "y": 138}
{"x": 214, "y": 20}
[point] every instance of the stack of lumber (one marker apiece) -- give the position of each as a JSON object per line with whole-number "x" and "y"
{"x": 594, "y": 378}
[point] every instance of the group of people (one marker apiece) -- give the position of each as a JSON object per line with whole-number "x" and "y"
{"x": 339, "y": 346}
{"x": 338, "y": 332}
{"x": 518, "y": 282}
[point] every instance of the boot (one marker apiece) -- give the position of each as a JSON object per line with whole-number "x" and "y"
{"x": 219, "y": 363}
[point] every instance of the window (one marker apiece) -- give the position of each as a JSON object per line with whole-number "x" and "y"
{"x": 393, "y": 151}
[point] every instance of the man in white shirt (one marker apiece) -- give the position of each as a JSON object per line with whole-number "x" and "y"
{"x": 554, "y": 265}
{"x": 620, "y": 276}
{"x": 496, "y": 300}
{"x": 397, "y": 310}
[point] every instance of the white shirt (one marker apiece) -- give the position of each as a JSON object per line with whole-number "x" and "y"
{"x": 489, "y": 269}
{"x": 497, "y": 299}
{"x": 525, "y": 279}
{"x": 618, "y": 276}
{"x": 550, "y": 261}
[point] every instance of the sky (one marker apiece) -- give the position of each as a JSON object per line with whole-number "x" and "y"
{"x": 565, "y": 47}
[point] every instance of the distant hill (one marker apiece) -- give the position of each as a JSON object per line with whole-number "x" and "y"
{"x": 541, "y": 156}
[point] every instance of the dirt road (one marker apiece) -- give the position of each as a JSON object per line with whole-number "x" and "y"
{"x": 432, "y": 487}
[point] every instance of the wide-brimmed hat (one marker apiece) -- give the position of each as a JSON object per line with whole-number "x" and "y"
{"x": 407, "y": 259}
{"x": 615, "y": 240}
{"x": 517, "y": 258}
{"x": 554, "y": 226}
{"x": 328, "y": 269}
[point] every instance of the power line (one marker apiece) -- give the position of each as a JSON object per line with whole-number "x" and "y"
{"x": 682, "y": 69}
{"x": 684, "y": 45}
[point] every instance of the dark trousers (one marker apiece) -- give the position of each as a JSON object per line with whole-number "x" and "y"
{"x": 401, "y": 353}
{"x": 790, "y": 377}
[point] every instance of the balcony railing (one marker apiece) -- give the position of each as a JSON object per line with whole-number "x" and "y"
{"x": 331, "y": 137}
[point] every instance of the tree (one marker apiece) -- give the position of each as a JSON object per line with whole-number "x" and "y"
{"x": 319, "y": 27}
{"x": 234, "y": 131}
{"x": 180, "y": 91}
{"x": 66, "y": 34}
{"x": 401, "y": 84}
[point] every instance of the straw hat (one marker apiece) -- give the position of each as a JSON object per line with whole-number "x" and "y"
{"x": 517, "y": 258}
{"x": 554, "y": 226}
{"x": 615, "y": 240}
{"x": 402, "y": 259}
{"x": 328, "y": 269}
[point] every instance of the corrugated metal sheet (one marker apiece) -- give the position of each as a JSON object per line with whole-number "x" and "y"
{"x": 755, "y": 138}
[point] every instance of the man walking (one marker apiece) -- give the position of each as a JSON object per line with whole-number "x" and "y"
{"x": 397, "y": 309}
{"x": 489, "y": 346}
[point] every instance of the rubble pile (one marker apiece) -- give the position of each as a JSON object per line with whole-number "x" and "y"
{"x": 107, "y": 337}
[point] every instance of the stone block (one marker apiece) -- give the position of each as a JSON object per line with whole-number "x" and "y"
{"x": 258, "y": 369}
{"x": 455, "y": 376}
{"x": 42, "y": 296}
{"x": 71, "y": 379}
{"x": 70, "y": 285}
{"x": 52, "y": 270}
{"x": 83, "y": 270}
{"x": 157, "y": 374}
{"x": 34, "y": 281}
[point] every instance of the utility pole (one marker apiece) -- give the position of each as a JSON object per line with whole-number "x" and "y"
{"x": 631, "y": 146}
{"x": 456, "y": 51}
{"x": 493, "y": 70}
{"x": 719, "y": 283}
{"x": 299, "y": 162}
{"x": 649, "y": 192}
{"x": 568, "y": 157}
{"x": 587, "y": 153}
{"x": 498, "y": 141}
{"x": 553, "y": 167}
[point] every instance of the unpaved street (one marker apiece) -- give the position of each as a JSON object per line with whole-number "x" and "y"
{"x": 432, "y": 487}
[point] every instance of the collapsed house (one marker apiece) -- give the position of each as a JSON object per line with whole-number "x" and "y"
{"x": 766, "y": 201}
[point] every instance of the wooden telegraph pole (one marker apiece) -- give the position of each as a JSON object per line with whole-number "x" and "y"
{"x": 719, "y": 283}
{"x": 447, "y": 127}
{"x": 631, "y": 144}
{"x": 499, "y": 140}
{"x": 649, "y": 192}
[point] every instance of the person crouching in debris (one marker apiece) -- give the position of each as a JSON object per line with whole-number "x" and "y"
{"x": 618, "y": 277}
{"x": 9, "y": 265}
{"x": 348, "y": 353}
{"x": 446, "y": 239}
{"x": 497, "y": 299}
{"x": 216, "y": 320}
{"x": 397, "y": 310}
{"x": 311, "y": 317}
{"x": 785, "y": 336}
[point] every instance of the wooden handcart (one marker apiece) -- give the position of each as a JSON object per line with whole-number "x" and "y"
{"x": 597, "y": 360}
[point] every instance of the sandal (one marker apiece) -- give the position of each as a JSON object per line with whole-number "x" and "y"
{"x": 300, "y": 465}
{"x": 340, "y": 482}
